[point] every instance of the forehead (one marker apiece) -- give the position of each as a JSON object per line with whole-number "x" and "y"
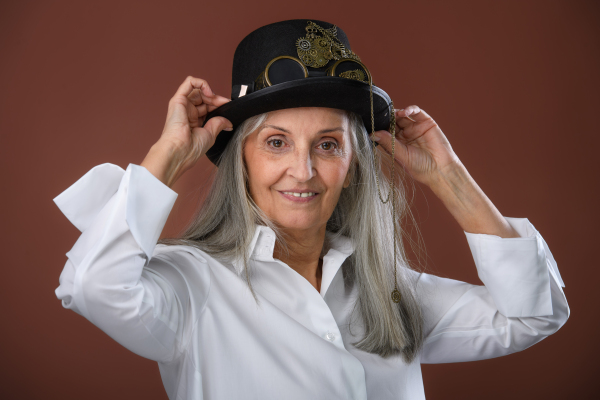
{"x": 308, "y": 118}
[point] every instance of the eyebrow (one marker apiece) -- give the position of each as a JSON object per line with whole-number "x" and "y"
{"x": 322, "y": 131}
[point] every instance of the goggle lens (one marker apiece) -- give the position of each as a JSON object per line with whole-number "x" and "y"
{"x": 284, "y": 70}
{"x": 351, "y": 70}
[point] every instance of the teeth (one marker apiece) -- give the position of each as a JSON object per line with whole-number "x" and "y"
{"x": 307, "y": 194}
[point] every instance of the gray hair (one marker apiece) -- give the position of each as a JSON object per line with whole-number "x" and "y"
{"x": 225, "y": 225}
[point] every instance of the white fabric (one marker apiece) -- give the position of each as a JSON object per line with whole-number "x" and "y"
{"x": 191, "y": 313}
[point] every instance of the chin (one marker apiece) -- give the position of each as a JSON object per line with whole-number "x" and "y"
{"x": 297, "y": 223}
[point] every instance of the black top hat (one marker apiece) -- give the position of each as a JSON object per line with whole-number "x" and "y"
{"x": 298, "y": 63}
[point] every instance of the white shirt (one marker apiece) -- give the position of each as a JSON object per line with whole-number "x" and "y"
{"x": 194, "y": 316}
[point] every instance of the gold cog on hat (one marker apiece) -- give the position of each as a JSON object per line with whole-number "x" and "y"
{"x": 356, "y": 74}
{"x": 311, "y": 31}
{"x": 306, "y": 59}
{"x": 303, "y": 44}
{"x": 326, "y": 47}
{"x": 313, "y": 50}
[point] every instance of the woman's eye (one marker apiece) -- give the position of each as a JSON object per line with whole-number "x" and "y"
{"x": 276, "y": 142}
{"x": 327, "y": 145}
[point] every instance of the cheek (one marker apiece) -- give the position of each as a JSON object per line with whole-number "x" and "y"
{"x": 254, "y": 168}
{"x": 335, "y": 184}
{"x": 335, "y": 177}
{"x": 261, "y": 176}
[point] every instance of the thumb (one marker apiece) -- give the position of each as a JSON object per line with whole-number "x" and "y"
{"x": 216, "y": 124}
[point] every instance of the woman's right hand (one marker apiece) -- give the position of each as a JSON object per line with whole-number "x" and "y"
{"x": 184, "y": 140}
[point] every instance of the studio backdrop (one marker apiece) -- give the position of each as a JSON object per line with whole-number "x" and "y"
{"x": 513, "y": 85}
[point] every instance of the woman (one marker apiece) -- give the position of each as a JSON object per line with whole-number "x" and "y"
{"x": 291, "y": 282}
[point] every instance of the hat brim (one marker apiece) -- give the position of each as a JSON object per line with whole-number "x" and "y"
{"x": 330, "y": 92}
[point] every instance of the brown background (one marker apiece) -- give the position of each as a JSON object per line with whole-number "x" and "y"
{"x": 514, "y": 85}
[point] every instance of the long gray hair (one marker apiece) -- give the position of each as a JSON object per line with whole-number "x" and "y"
{"x": 225, "y": 225}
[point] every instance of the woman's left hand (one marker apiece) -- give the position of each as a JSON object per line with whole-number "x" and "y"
{"x": 423, "y": 150}
{"x": 421, "y": 147}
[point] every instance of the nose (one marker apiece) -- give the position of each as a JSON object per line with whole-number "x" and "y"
{"x": 301, "y": 167}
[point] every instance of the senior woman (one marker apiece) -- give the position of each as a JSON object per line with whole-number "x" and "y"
{"x": 291, "y": 282}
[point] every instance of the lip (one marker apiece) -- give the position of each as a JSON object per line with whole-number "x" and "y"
{"x": 298, "y": 199}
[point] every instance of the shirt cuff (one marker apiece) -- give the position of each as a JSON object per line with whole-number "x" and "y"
{"x": 149, "y": 201}
{"x": 516, "y": 271}
{"x": 82, "y": 201}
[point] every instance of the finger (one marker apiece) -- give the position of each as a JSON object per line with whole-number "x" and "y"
{"x": 215, "y": 101}
{"x": 216, "y": 125}
{"x": 384, "y": 139}
{"x": 401, "y": 121}
{"x": 192, "y": 113}
{"x": 195, "y": 97}
{"x": 413, "y": 113}
{"x": 204, "y": 109}
{"x": 405, "y": 117}
{"x": 196, "y": 113}
{"x": 182, "y": 96}
{"x": 192, "y": 83}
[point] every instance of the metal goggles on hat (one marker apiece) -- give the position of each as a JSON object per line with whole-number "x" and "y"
{"x": 316, "y": 51}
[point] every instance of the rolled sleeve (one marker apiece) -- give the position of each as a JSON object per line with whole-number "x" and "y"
{"x": 148, "y": 201}
{"x": 82, "y": 201}
{"x": 148, "y": 196}
{"x": 520, "y": 304}
{"x": 516, "y": 271}
{"x": 111, "y": 277}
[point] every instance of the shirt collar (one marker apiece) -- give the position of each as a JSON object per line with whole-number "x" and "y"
{"x": 340, "y": 248}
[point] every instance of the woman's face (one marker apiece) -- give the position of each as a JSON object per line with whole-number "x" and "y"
{"x": 298, "y": 163}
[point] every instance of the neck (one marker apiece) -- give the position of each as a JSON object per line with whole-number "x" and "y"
{"x": 303, "y": 253}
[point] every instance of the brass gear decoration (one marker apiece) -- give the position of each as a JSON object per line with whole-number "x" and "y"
{"x": 316, "y": 51}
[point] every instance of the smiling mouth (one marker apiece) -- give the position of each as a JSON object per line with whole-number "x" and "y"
{"x": 296, "y": 194}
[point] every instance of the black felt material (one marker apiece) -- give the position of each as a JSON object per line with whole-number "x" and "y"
{"x": 252, "y": 56}
{"x": 265, "y": 43}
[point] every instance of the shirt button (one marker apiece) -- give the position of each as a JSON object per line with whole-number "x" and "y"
{"x": 330, "y": 336}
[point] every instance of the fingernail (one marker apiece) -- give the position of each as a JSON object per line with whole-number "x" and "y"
{"x": 375, "y": 138}
{"x": 228, "y": 129}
